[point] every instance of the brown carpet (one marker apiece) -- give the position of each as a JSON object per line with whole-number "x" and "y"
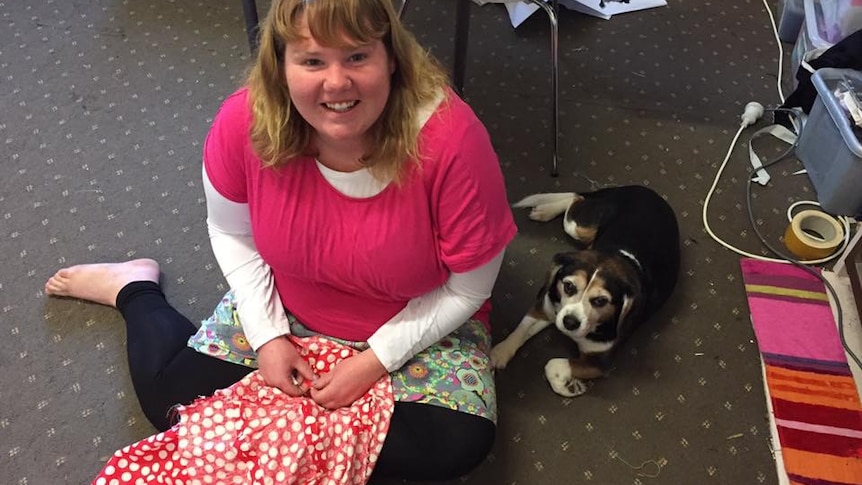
{"x": 106, "y": 103}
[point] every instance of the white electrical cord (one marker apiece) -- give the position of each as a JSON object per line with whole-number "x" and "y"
{"x": 753, "y": 111}
{"x": 780, "y": 51}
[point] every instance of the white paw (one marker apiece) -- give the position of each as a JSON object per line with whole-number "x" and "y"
{"x": 559, "y": 375}
{"x": 543, "y": 213}
{"x": 502, "y": 353}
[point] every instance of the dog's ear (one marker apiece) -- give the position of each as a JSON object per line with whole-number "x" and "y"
{"x": 549, "y": 288}
{"x": 563, "y": 259}
{"x": 628, "y": 302}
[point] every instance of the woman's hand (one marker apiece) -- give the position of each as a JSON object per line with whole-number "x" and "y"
{"x": 281, "y": 366}
{"x": 349, "y": 380}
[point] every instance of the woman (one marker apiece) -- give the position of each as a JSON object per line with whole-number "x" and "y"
{"x": 350, "y": 194}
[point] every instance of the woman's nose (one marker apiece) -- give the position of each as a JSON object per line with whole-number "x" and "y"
{"x": 337, "y": 79}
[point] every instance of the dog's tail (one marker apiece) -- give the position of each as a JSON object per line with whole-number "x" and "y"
{"x": 536, "y": 200}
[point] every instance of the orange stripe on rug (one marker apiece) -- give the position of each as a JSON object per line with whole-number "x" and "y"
{"x": 830, "y": 387}
{"x": 792, "y": 394}
{"x": 825, "y": 467}
{"x": 813, "y": 379}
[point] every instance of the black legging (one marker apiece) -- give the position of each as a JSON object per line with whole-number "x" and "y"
{"x": 424, "y": 442}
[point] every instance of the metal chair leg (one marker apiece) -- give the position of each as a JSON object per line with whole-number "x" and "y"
{"x": 249, "y": 11}
{"x": 552, "y": 12}
{"x": 462, "y": 30}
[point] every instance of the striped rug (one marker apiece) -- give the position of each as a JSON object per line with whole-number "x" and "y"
{"x": 814, "y": 400}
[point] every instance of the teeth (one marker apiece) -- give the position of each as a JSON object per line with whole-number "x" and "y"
{"x": 341, "y": 106}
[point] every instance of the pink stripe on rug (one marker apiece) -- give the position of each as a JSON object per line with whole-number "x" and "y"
{"x": 819, "y": 428}
{"x": 753, "y": 266}
{"x": 798, "y": 335}
{"x": 801, "y": 333}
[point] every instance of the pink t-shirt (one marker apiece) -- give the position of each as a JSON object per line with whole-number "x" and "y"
{"x": 344, "y": 266}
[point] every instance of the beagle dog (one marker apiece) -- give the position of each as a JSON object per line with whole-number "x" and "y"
{"x": 625, "y": 269}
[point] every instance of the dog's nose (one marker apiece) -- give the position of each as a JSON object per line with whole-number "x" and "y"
{"x": 571, "y": 322}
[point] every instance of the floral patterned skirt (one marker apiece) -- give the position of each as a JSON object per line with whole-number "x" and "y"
{"x": 454, "y": 373}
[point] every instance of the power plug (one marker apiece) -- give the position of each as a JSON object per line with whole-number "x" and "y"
{"x": 753, "y": 112}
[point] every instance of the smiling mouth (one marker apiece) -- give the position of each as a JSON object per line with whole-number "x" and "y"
{"x": 341, "y": 107}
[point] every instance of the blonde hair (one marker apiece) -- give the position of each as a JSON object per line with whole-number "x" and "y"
{"x": 280, "y": 134}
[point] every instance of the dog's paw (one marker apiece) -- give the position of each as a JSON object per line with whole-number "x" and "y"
{"x": 501, "y": 354}
{"x": 559, "y": 375}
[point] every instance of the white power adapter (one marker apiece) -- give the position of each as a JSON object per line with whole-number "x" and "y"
{"x": 753, "y": 112}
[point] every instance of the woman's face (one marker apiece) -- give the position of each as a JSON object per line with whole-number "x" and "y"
{"x": 340, "y": 92}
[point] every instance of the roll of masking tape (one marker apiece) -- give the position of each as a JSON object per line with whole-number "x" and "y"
{"x": 813, "y": 235}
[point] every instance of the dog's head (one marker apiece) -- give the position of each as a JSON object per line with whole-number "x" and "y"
{"x": 591, "y": 295}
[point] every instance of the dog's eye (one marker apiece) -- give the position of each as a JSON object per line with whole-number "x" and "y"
{"x": 599, "y": 301}
{"x": 569, "y": 288}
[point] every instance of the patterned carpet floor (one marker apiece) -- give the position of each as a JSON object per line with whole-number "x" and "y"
{"x": 106, "y": 104}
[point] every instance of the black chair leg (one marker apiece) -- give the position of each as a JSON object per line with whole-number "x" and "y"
{"x": 462, "y": 30}
{"x": 249, "y": 11}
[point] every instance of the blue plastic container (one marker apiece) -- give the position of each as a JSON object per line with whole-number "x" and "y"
{"x": 792, "y": 16}
{"x": 829, "y": 146}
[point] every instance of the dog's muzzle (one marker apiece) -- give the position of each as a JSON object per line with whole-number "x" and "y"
{"x": 571, "y": 322}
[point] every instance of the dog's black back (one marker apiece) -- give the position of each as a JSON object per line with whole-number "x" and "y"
{"x": 637, "y": 220}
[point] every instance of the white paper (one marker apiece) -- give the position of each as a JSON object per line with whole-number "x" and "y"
{"x": 584, "y": 9}
{"x": 614, "y": 7}
{"x": 519, "y": 11}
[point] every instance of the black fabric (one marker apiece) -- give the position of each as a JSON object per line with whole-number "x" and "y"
{"x": 427, "y": 442}
{"x": 846, "y": 54}
{"x": 424, "y": 442}
{"x": 164, "y": 370}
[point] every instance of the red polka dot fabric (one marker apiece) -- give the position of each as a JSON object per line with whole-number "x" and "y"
{"x": 250, "y": 433}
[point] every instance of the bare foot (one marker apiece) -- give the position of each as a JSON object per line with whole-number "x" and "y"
{"x": 101, "y": 283}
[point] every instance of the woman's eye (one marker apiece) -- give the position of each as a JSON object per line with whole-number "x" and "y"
{"x": 358, "y": 57}
{"x": 599, "y": 301}
{"x": 569, "y": 288}
{"x": 312, "y": 62}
